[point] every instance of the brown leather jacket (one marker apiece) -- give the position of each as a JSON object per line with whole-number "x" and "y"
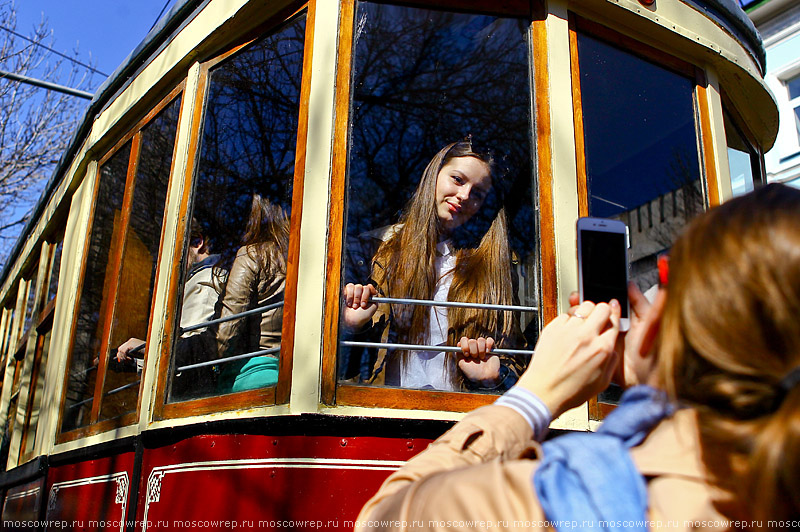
{"x": 479, "y": 476}
{"x": 249, "y": 287}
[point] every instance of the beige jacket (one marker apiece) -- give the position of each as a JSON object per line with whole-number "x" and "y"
{"x": 478, "y": 476}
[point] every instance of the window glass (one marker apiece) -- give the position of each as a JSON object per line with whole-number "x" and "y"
{"x": 5, "y": 334}
{"x": 35, "y": 396}
{"x": 641, "y": 147}
{"x": 138, "y": 273}
{"x": 793, "y": 86}
{"x": 11, "y": 415}
{"x": 119, "y": 278}
{"x": 52, "y": 285}
{"x": 740, "y": 159}
{"x": 30, "y": 304}
{"x": 465, "y": 233}
{"x": 103, "y": 244}
{"x": 237, "y": 241}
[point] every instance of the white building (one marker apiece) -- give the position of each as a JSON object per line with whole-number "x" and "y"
{"x": 778, "y": 21}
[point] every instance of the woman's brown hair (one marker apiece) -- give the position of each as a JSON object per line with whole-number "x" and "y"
{"x": 405, "y": 263}
{"x": 266, "y": 237}
{"x": 729, "y": 335}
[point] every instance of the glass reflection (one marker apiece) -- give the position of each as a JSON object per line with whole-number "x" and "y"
{"x": 103, "y": 244}
{"x": 138, "y": 273}
{"x": 423, "y": 79}
{"x": 239, "y": 228}
{"x": 740, "y": 159}
{"x": 641, "y": 146}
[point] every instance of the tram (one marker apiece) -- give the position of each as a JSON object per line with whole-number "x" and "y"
{"x": 124, "y": 405}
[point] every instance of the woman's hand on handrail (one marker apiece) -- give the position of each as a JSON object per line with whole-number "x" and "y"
{"x": 574, "y": 357}
{"x": 358, "y": 305}
{"x": 477, "y": 361}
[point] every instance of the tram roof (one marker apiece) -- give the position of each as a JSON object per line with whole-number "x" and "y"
{"x": 727, "y": 13}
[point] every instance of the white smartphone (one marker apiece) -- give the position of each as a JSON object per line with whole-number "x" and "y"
{"x": 603, "y": 263}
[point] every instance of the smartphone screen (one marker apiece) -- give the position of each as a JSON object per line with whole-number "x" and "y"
{"x": 604, "y": 268}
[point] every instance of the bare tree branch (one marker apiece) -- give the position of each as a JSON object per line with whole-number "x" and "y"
{"x": 35, "y": 124}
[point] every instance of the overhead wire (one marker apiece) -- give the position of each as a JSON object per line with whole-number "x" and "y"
{"x": 159, "y": 15}
{"x": 37, "y": 43}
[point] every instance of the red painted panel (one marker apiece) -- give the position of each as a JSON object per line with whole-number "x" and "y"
{"x": 21, "y": 505}
{"x": 91, "y": 495}
{"x": 265, "y": 482}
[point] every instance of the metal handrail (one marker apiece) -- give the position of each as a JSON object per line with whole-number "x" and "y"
{"x": 436, "y": 348}
{"x": 232, "y": 317}
{"x": 270, "y": 351}
{"x": 459, "y": 304}
{"x": 109, "y": 392}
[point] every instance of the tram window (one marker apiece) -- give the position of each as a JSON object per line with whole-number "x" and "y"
{"x": 55, "y": 267}
{"x": 31, "y": 420}
{"x": 120, "y": 274}
{"x": 11, "y": 414}
{"x": 641, "y": 149}
{"x": 740, "y": 159}
{"x": 98, "y": 276}
{"x": 30, "y": 305}
{"x": 423, "y": 79}
{"x": 234, "y": 265}
{"x": 6, "y": 332}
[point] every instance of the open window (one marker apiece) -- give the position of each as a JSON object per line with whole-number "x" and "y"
{"x": 421, "y": 79}
{"x": 233, "y": 311}
{"x": 119, "y": 275}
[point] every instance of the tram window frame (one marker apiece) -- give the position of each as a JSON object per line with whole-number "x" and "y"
{"x": 732, "y": 117}
{"x": 97, "y": 425}
{"x": 279, "y": 393}
{"x": 43, "y": 325}
{"x": 598, "y": 408}
{"x": 7, "y": 331}
{"x": 335, "y": 392}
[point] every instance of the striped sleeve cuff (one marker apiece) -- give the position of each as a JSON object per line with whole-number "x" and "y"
{"x": 530, "y": 407}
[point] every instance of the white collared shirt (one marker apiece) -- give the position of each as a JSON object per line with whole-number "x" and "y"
{"x": 426, "y": 369}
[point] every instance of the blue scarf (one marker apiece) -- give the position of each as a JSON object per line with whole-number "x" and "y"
{"x": 589, "y": 481}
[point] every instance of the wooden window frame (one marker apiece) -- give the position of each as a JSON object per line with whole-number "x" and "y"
{"x": 109, "y": 306}
{"x": 705, "y": 147}
{"x": 278, "y": 394}
{"x": 43, "y": 325}
{"x": 335, "y": 393}
{"x": 30, "y": 281}
{"x": 757, "y": 154}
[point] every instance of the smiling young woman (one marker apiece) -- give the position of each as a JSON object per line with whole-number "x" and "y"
{"x": 450, "y": 245}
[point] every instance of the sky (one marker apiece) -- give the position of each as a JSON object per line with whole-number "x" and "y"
{"x": 104, "y": 30}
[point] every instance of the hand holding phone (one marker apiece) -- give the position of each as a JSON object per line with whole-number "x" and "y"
{"x": 603, "y": 263}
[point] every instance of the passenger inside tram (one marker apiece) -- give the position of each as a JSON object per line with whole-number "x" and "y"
{"x": 204, "y": 282}
{"x": 450, "y": 245}
{"x": 256, "y": 281}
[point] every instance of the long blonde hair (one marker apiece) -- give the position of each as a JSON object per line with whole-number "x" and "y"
{"x": 729, "y": 334}
{"x": 405, "y": 263}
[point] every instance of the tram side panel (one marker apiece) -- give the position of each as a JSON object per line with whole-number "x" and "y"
{"x": 223, "y": 482}
{"x": 92, "y": 495}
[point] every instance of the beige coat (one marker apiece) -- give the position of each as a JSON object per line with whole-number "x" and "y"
{"x": 478, "y": 476}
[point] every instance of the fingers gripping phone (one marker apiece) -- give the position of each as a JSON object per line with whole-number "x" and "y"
{"x": 603, "y": 263}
